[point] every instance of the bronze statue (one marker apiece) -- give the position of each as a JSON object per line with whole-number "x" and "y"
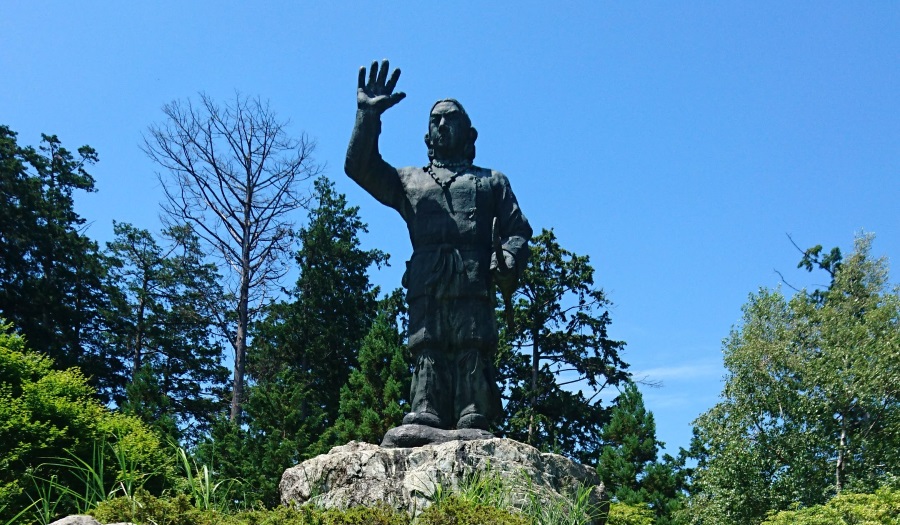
{"x": 467, "y": 234}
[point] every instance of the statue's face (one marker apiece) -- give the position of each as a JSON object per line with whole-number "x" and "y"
{"x": 448, "y": 130}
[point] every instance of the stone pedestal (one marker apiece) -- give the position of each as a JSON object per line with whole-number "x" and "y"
{"x": 408, "y": 478}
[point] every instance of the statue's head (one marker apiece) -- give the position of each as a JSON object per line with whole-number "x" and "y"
{"x": 450, "y": 133}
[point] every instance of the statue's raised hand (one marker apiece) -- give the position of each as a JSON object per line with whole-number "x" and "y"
{"x": 377, "y": 94}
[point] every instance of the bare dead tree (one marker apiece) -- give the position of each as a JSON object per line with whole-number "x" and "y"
{"x": 232, "y": 172}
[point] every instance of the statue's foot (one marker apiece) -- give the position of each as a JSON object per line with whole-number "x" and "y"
{"x": 422, "y": 418}
{"x": 476, "y": 421}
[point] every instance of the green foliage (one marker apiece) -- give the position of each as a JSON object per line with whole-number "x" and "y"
{"x": 631, "y": 446}
{"x": 476, "y": 488}
{"x": 456, "y": 511}
{"x": 517, "y": 497}
{"x": 630, "y": 514}
{"x": 374, "y": 399}
{"x": 629, "y": 465}
{"x": 206, "y": 493}
{"x": 51, "y": 275}
{"x": 302, "y": 354}
{"x": 52, "y": 428}
{"x": 143, "y": 508}
{"x": 480, "y": 498}
{"x": 164, "y": 314}
{"x": 882, "y": 507}
{"x": 379, "y": 515}
{"x": 810, "y": 404}
{"x": 577, "y": 509}
{"x": 560, "y": 339}
{"x": 146, "y": 509}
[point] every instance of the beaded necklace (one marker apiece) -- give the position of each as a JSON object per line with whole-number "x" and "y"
{"x": 457, "y": 168}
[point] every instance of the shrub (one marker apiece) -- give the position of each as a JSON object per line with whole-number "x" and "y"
{"x": 456, "y": 511}
{"x": 145, "y": 509}
{"x": 50, "y": 420}
{"x": 882, "y": 507}
{"x": 624, "y": 514}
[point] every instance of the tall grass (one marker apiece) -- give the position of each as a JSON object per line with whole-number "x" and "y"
{"x": 92, "y": 484}
{"x": 207, "y": 495}
{"x": 520, "y": 494}
{"x": 14, "y": 519}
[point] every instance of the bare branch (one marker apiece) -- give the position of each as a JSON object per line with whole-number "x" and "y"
{"x": 232, "y": 172}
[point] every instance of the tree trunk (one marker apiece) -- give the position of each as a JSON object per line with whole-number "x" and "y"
{"x": 240, "y": 343}
{"x": 535, "y": 359}
{"x": 138, "y": 338}
{"x": 839, "y": 468}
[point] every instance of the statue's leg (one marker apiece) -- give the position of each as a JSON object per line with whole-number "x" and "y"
{"x": 431, "y": 381}
{"x": 477, "y": 400}
{"x": 431, "y": 384}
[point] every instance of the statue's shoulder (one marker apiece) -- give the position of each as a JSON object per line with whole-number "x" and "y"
{"x": 410, "y": 172}
{"x": 494, "y": 177}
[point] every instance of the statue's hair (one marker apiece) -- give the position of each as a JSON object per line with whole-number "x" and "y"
{"x": 473, "y": 134}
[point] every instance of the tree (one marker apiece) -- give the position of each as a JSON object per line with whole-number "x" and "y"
{"x": 316, "y": 337}
{"x": 629, "y": 464}
{"x": 375, "y": 397}
{"x": 304, "y": 348}
{"x": 630, "y": 446}
{"x": 165, "y": 318}
{"x": 560, "y": 342}
{"x": 233, "y": 175}
{"x": 810, "y": 405}
{"x": 50, "y": 273}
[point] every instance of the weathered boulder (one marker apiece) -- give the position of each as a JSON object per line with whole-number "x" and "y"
{"x": 82, "y": 519}
{"x": 77, "y": 519}
{"x": 408, "y": 478}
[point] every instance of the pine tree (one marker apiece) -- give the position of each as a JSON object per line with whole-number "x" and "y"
{"x": 165, "y": 318}
{"x": 631, "y": 446}
{"x": 559, "y": 343}
{"x": 629, "y": 464}
{"x": 51, "y": 274}
{"x": 304, "y": 349}
{"x": 375, "y": 398}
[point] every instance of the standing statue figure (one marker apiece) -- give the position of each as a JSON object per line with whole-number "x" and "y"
{"x": 467, "y": 234}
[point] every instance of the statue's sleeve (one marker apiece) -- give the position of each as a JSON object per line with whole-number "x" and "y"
{"x": 365, "y": 165}
{"x": 515, "y": 232}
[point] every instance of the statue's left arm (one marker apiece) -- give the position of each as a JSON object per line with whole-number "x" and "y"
{"x": 514, "y": 233}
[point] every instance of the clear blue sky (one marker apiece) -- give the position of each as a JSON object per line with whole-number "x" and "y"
{"x": 675, "y": 143}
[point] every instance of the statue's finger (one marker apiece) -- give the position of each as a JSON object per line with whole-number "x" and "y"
{"x": 382, "y": 73}
{"x": 372, "y": 72}
{"x": 396, "y": 97}
{"x": 361, "y": 84}
{"x": 392, "y": 82}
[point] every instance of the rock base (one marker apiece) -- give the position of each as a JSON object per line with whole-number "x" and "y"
{"x": 408, "y": 478}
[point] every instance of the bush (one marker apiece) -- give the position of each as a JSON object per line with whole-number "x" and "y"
{"x": 882, "y": 507}
{"x": 145, "y": 509}
{"x": 624, "y": 514}
{"x": 456, "y": 511}
{"x": 50, "y": 421}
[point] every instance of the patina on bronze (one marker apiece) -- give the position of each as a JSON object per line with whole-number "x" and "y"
{"x": 468, "y": 234}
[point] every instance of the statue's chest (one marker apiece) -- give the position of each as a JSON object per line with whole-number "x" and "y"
{"x": 445, "y": 209}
